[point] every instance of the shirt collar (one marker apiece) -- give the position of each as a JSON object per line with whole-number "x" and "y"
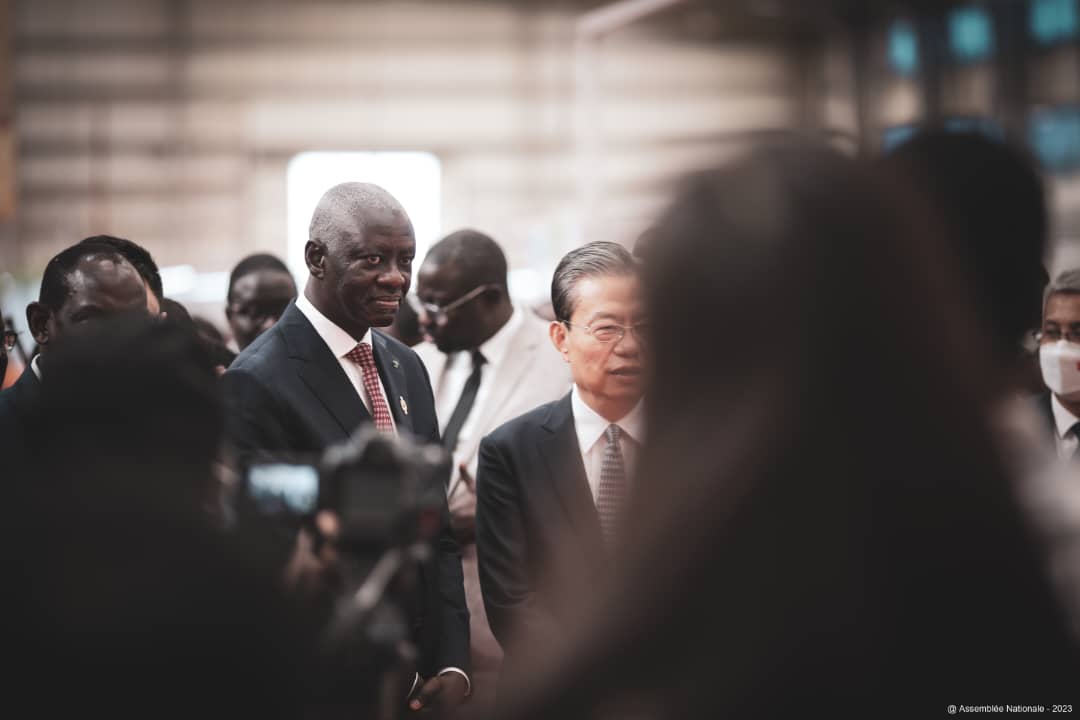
{"x": 1063, "y": 419}
{"x": 590, "y": 426}
{"x": 340, "y": 342}
{"x": 497, "y": 346}
{"x": 35, "y": 368}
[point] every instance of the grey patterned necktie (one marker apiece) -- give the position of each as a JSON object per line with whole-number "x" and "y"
{"x": 609, "y": 498}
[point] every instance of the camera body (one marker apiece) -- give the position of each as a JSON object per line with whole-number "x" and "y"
{"x": 388, "y": 498}
{"x": 385, "y": 491}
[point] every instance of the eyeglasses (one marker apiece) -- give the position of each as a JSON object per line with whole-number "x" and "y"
{"x": 10, "y": 340}
{"x": 1055, "y": 334}
{"x": 438, "y": 313}
{"x": 607, "y": 332}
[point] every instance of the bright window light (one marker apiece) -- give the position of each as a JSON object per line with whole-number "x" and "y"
{"x": 412, "y": 177}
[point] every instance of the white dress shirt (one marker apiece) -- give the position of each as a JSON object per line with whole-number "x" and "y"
{"x": 1064, "y": 437}
{"x": 590, "y": 427}
{"x": 341, "y": 344}
{"x": 459, "y": 367}
{"x": 34, "y": 367}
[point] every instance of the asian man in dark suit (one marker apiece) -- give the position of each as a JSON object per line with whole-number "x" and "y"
{"x": 322, "y": 371}
{"x": 551, "y": 483}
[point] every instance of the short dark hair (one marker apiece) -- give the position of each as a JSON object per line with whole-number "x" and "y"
{"x": 55, "y": 285}
{"x": 139, "y": 257}
{"x": 592, "y": 260}
{"x": 474, "y": 254}
{"x": 253, "y": 264}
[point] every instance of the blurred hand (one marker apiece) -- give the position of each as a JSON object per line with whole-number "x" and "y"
{"x": 467, "y": 478}
{"x": 442, "y": 693}
{"x": 313, "y": 573}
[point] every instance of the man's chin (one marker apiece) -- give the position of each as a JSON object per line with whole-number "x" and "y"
{"x": 379, "y": 319}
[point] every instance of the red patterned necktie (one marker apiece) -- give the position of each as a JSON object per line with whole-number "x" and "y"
{"x": 362, "y": 356}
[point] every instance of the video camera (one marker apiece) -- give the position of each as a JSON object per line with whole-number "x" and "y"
{"x": 388, "y": 497}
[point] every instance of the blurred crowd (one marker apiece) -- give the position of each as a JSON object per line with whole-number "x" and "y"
{"x": 812, "y": 441}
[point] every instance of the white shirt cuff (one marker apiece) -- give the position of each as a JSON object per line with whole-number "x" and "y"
{"x": 459, "y": 671}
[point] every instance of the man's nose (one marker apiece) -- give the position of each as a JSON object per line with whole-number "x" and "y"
{"x": 628, "y": 345}
{"x": 393, "y": 277}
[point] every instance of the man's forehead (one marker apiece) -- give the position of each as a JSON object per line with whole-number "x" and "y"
{"x": 102, "y": 273}
{"x": 1063, "y": 307}
{"x": 377, "y": 234}
{"x": 442, "y": 275}
{"x": 264, "y": 279}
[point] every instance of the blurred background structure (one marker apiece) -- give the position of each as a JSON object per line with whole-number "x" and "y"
{"x": 203, "y": 130}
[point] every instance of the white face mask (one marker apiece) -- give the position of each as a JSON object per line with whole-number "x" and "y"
{"x": 1060, "y": 364}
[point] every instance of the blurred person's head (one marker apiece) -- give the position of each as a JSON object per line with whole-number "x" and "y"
{"x": 819, "y": 499}
{"x": 214, "y": 341}
{"x": 601, "y": 326}
{"x": 260, "y": 288}
{"x": 1059, "y": 339}
{"x": 131, "y": 408}
{"x": 135, "y": 602}
{"x": 989, "y": 198}
{"x": 644, "y": 242}
{"x": 217, "y": 354}
{"x": 80, "y": 285}
{"x": 359, "y": 256}
{"x": 177, "y": 313}
{"x": 463, "y": 291}
{"x": 143, "y": 261}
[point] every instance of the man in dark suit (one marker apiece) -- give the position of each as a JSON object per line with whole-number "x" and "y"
{"x": 550, "y": 483}
{"x": 1059, "y": 359}
{"x": 321, "y": 372}
{"x": 81, "y": 284}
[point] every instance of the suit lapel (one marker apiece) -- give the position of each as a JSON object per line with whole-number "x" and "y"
{"x": 507, "y": 378}
{"x": 514, "y": 370}
{"x": 392, "y": 373}
{"x": 1046, "y": 411}
{"x": 321, "y": 372}
{"x": 566, "y": 472}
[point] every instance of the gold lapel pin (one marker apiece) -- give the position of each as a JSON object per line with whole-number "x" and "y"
{"x": 404, "y": 405}
{"x": 397, "y": 365}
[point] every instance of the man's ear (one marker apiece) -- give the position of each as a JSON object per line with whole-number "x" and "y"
{"x": 557, "y": 332}
{"x": 37, "y": 317}
{"x": 315, "y": 257}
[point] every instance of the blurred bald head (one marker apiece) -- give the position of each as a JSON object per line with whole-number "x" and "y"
{"x": 359, "y": 256}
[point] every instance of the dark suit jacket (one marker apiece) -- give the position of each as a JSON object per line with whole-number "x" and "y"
{"x": 286, "y": 393}
{"x": 1042, "y": 407}
{"x": 538, "y": 535}
{"x": 17, "y": 404}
